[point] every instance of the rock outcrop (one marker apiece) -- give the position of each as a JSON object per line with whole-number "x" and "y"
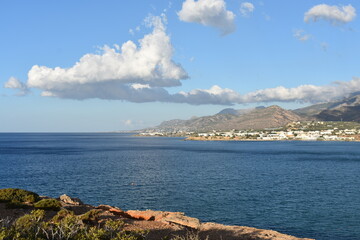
{"x": 166, "y": 217}
{"x": 71, "y": 201}
{"x": 160, "y": 224}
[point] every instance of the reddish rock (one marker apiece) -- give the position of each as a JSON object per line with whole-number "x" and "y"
{"x": 147, "y": 215}
{"x": 180, "y": 219}
{"x": 167, "y": 217}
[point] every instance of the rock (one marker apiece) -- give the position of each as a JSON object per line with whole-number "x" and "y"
{"x": 239, "y": 232}
{"x": 104, "y": 207}
{"x": 165, "y": 217}
{"x": 71, "y": 201}
{"x": 114, "y": 210}
{"x": 147, "y": 215}
{"x": 181, "y": 219}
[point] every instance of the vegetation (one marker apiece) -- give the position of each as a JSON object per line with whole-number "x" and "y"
{"x": 65, "y": 225}
{"x": 322, "y": 125}
{"x": 18, "y": 195}
{"x": 48, "y": 204}
{"x": 91, "y": 216}
{"x": 189, "y": 236}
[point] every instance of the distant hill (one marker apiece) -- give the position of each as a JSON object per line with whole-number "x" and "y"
{"x": 347, "y": 109}
{"x": 261, "y": 117}
{"x": 236, "y": 112}
{"x": 228, "y": 119}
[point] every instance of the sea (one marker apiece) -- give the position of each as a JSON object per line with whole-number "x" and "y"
{"x": 305, "y": 189}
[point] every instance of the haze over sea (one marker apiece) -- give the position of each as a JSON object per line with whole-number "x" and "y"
{"x": 306, "y": 189}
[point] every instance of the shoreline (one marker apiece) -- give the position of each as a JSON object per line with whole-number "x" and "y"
{"x": 157, "y": 224}
{"x": 260, "y": 140}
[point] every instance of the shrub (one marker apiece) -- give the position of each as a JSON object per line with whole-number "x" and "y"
{"x": 91, "y": 216}
{"x": 48, "y": 204}
{"x": 63, "y": 213}
{"x": 29, "y": 225}
{"x": 17, "y": 195}
{"x": 189, "y": 236}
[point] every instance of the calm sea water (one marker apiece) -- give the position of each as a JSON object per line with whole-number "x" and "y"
{"x": 306, "y": 189}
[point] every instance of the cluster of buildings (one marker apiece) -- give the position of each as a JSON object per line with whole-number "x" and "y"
{"x": 294, "y": 131}
{"x": 309, "y": 135}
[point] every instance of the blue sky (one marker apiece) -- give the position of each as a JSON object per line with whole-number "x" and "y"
{"x": 254, "y": 52}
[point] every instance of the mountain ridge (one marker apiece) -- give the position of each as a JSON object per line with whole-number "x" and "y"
{"x": 347, "y": 109}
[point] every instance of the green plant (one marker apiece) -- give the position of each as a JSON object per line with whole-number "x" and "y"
{"x": 61, "y": 215}
{"x": 64, "y": 226}
{"x": 91, "y": 216}
{"x": 48, "y": 204}
{"x": 29, "y": 225}
{"x": 18, "y": 195}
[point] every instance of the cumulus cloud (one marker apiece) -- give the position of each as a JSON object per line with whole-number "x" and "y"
{"x": 214, "y": 95}
{"x": 300, "y": 35}
{"x": 15, "y": 83}
{"x": 116, "y": 73}
{"x": 334, "y": 14}
{"x": 304, "y": 93}
{"x": 246, "y": 8}
{"x": 209, "y": 13}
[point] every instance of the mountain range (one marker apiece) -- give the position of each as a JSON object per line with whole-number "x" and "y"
{"x": 261, "y": 117}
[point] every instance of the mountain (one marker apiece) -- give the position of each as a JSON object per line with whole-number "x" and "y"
{"x": 261, "y": 117}
{"x": 236, "y": 112}
{"x": 228, "y": 119}
{"x": 347, "y": 109}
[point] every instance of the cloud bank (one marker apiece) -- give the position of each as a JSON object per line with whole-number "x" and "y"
{"x": 209, "y": 13}
{"x": 302, "y": 94}
{"x": 333, "y": 14}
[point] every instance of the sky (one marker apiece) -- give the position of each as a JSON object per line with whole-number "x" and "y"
{"x": 91, "y": 65}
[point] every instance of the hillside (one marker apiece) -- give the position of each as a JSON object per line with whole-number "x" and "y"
{"x": 228, "y": 119}
{"x": 274, "y": 116}
{"x": 347, "y": 109}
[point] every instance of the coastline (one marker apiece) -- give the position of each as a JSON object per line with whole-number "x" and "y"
{"x": 156, "y": 224}
{"x": 259, "y": 140}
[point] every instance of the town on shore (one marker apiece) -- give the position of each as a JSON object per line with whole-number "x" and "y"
{"x": 306, "y": 131}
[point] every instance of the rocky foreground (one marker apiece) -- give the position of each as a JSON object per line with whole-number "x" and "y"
{"x": 158, "y": 224}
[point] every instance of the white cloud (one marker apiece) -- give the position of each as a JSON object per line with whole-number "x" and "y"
{"x": 209, "y": 13}
{"x": 246, "y": 8}
{"x": 334, "y": 14}
{"x": 116, "y": 70}
{"x": 214, "y": 95}
{"x": 304, "y": 93}
{"x": 15, "y": 83}
{"x": 301, "y": 35}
